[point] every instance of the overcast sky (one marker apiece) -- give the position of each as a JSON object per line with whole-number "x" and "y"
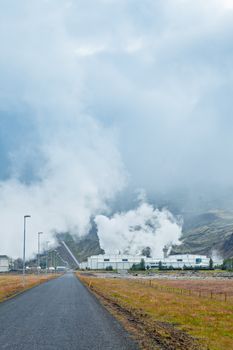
{"x": 101, "y": 96}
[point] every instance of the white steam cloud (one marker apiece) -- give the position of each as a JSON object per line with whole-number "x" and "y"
{"x": 58, "y": 162}
{"x": 131, "y": 231}
{"x": 82, "y": 171}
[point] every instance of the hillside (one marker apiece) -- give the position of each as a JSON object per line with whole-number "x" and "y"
{"x": 203, "y": 233}
{"x": 206, "y": 233}
{"x": 82, "y": 247}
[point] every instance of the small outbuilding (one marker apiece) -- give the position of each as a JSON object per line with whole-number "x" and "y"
{"x": 4, "y": 263}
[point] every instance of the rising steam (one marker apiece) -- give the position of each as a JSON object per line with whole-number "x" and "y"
{"x": 131, "y": 231}
{"x": 81, "y": 172}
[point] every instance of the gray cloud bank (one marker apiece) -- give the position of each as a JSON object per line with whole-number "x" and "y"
{"x": 95, "y": 95}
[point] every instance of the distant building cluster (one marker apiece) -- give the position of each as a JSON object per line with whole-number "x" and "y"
{"x": 125, "y": 262}
{"x": 116, "y": 262}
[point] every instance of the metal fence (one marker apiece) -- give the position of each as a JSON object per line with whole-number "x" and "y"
{"x": 201, "y": 293}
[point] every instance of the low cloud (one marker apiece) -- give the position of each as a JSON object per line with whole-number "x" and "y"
{"x": 95, "y": 95}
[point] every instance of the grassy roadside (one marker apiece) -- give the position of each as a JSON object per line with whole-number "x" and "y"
{"x": 163, "y": 320}
{"x": 11, "y": 285}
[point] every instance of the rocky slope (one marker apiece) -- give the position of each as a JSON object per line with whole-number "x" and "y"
{"x": 82, "y": 247}
{"x": 207, "y": 233}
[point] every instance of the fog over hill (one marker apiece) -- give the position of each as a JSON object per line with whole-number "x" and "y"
{"x": 102, "y": 99}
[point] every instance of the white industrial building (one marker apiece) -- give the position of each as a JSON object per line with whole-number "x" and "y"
{"x": 117, "y": 262}
{"x": 180, "y": 261}
{"x": 4, "y": 263}
{"x": 125, "y": 262}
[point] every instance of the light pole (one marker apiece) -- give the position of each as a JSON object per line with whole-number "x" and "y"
{"x": 55, "y": 260}
{"x": 47, "y": 247}
{"x": 24, "y": 243}
{"x": 38, "y": 256}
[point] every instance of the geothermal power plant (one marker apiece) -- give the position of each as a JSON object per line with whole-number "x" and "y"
{"x": 126, "y": 262}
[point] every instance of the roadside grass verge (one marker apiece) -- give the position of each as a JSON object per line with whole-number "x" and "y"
{"x": 11, "y": 285}
{"x": 167, "y": 320}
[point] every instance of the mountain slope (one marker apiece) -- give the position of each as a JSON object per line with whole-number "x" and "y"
{"x": 82, "y": 247}
{"x": 203, "y": 233}
{"x": 207, "y": 233}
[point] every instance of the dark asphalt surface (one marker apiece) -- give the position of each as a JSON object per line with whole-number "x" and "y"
{"x": 60, "y": 314}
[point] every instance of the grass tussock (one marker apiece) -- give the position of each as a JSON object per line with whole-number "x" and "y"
{"x": 13, "y": 284}
{"x": 208, "y": 322}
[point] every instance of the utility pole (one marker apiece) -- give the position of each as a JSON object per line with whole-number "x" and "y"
{"x": 38, "y": 256}
{"x": 24, "y": 245}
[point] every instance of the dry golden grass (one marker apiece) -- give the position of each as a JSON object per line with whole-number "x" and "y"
{"x": 211, "y": 321}
{"x": 216, "y": 289}
{"x": 13, "y": 284}
{"x": 220, "y": 286}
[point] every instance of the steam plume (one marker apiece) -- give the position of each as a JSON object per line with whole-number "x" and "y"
{"x": 130, "y": 232}
{"x": 81, "y": 172}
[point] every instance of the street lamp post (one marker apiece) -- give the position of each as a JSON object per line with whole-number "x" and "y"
{"x": 47, "y": 247}
{"x": 24, "y": 244}
{"x": 38, "y": 256}
{"x": 55, "y": 260}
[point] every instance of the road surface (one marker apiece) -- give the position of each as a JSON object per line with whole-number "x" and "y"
{"x": 60, "y": 315}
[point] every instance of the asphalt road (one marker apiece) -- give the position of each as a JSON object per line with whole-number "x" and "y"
{"x": 60, "y": 314}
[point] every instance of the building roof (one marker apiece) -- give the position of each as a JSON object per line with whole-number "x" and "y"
{"x": 4, "y": 257}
